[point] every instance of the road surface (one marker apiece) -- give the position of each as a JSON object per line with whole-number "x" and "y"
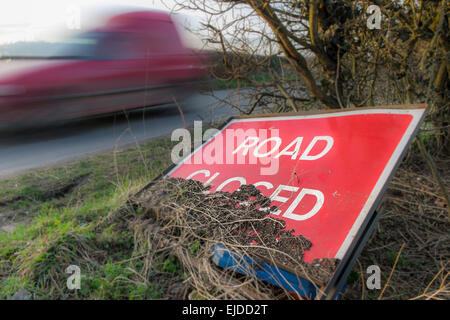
{"x": 48, "y": 146}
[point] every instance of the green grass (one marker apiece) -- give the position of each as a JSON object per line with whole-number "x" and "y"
{"x": 55, "y": 213}
{"x": 57, "y": 219}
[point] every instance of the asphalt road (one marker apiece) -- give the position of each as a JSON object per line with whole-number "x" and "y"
{"x": 47, "y": 146}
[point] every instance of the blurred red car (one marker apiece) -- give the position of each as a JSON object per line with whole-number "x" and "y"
{"x": 136, "y": 59}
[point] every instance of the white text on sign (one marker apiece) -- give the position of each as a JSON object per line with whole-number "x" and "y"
{"x": 281, "y": 194}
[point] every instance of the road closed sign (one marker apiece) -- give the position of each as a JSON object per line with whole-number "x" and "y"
{"x": 325, "y": 172}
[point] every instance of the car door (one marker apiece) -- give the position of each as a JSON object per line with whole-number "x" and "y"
{"x": 117, "y": 76}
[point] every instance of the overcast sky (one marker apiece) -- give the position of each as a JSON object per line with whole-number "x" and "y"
{"x": 31, "y": 20}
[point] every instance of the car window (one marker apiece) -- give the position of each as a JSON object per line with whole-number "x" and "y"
{"x": 102, "y": 46}
{"x": 119, "y": 46}
{"x": 83, "y": 46}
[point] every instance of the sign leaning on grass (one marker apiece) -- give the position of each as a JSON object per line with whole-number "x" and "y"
{"x": 326, "y": 172}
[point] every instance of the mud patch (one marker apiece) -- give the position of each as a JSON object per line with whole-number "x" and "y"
{"x": 10, "y": 220}
{"x": 10, "y": 214}
{"x": 182, "y": 215}
{"x": 44, "y": 191}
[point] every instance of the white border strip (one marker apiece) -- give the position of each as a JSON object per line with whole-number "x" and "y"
{"x": 417, "y": 116}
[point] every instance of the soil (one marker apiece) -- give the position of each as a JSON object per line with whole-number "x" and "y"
{"x": 9, "y": 220}
{"x": 234, "y": 220}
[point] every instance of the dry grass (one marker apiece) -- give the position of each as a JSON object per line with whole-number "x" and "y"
{"x": 176, "y": 218}
{"x": 416, "y": 216}
{"x": 123, "y": 257}
{"x": 410, "y": 244}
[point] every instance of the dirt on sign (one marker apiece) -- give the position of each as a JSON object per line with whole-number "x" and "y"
{"x": 183, "y": 215}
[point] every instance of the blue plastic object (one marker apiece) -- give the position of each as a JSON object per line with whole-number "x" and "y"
{"x": 274, "y": 275}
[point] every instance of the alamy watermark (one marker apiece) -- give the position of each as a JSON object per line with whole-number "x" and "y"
{"x": 74, "y": 280}
{"x": 73, "y": 17}
{"x": 374, "y": 280}
{"x": 374, "y": 20}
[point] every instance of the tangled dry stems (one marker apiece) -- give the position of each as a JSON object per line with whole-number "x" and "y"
{"x": 178, "y": 217}
{"x": 416, "y": 215}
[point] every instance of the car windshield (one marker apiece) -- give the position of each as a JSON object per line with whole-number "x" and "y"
{"x": 100, "y": 46}
{"x": 83, "y": 46}
{"x": 86, "y": 46}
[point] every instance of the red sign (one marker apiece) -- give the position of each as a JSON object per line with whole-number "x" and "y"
{"x": 324, "y": 172}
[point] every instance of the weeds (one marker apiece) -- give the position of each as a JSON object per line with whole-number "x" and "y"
{"x": 64, "y": 206}
{"x": 55, "y": 217}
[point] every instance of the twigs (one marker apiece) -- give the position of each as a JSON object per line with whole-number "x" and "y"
{"x": 444, "y": 287}
{"x": 362, "y": 279}
{"x": 336, "y": 82}
{"x": 414, "y": 216}
{"x": 392, "y": 271}
{"x": 188, "y": 223}
{"x": 435, "y": 173}
{"x": 181, "y": 112}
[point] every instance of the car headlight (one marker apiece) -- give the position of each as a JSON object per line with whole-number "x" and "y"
{"x": 10, "y": 90}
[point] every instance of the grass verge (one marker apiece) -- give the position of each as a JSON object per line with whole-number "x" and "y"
{"x": 60, "y": 216}
{"x": 49, "y": 220}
